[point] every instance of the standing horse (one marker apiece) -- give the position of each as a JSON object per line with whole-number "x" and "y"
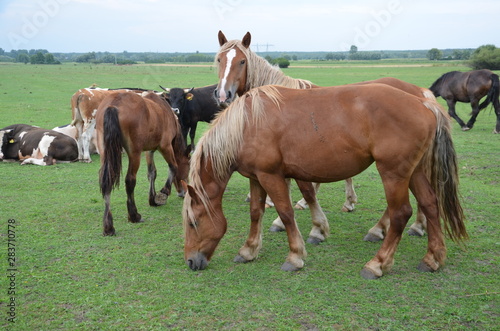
{"x": 407, "y": 137}
{"x": 470, "y": 87}
{"x": 134, "y": 123}
{"x": 240, "y": 70}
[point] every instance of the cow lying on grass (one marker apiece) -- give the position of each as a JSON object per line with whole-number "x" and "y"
{"x": 34, "y": 145}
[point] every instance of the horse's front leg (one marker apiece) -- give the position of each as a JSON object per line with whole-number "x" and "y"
{"x": 277, "y": 189}
{"x": 252, "y": 246}
{"x": 475, "y": 111}
{"x": 130, "y": 181}
{"x": 350, "y": 196}
{"x": 453, "y": 114}
{"x": 321, "y": 228}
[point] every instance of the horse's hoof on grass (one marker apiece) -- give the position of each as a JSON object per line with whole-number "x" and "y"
{"x": 422, "y": 266}
{"x": 240, "y": 259}
{"x": 161, "y": 199}
{"x": 415, "y": 233}
{"x": 314, "y": 241}
{"x": 275, "y": 228}
{"x": 287, "y": 266}
{"x": 368, "y": 274}
{"x": 465, "y": 128}
{"x": 372, "y": 238}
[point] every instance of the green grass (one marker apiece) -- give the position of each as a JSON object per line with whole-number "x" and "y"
{"x": 70, "y": 277}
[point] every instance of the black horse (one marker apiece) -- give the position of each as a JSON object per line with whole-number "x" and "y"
{"x": 470, "y": 87}
{"x": 191, "y": 106}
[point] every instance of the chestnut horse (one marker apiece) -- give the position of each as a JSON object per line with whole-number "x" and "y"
{"x": 407, "y": 137}
{"x": 470, "y": 87}
{"x": 240, "y": 70}
{"x": 134, "y": 123}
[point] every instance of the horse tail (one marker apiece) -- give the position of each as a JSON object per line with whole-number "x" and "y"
{"x": 493, "y": 93}
{"x": 111, "y": 156}
{"x": 443, "y": 175}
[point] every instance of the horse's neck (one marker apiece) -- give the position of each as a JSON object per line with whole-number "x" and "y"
{"x": 207, "y": 183}
{"x": 267, "y": 74}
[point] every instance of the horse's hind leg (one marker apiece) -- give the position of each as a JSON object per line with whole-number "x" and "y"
{"x": 249, "y": 251}
{"x": 107, "y": 220}
{"x": 130, "y": 181}
{"x": 378, "y": 231}
{"x": 321, "y": 228}
{"x": 496, "y": 105}
{"x": 427, "y": 201}
{"x": 400, "y": 211}
{"x": 154, "y": 199}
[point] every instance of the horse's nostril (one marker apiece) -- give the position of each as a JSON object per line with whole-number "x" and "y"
{"x": 229, "y": 95}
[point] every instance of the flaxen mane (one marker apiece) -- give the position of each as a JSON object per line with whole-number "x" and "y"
{"x": 222, "y": 141}
{"x": 260, "y": 72}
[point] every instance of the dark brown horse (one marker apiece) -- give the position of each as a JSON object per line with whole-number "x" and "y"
{"x": 240, "y": 69}
{"x": 471, "y": 87}
{"x": 407, "y": 137}
{"x": 136, "y": 124}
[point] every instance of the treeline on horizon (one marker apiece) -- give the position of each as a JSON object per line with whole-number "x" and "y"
{"x": 41, "y": 56}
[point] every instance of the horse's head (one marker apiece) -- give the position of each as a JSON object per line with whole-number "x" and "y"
{"x": 204, "y": 227}
{"x": 231, "y": 63}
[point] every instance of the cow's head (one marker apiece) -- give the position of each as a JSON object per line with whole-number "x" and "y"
{"x": 6, "y": 138}
{"x": 178, "y": 98}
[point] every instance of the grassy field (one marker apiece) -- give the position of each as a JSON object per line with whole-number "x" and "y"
{"x": 67, "y": 276}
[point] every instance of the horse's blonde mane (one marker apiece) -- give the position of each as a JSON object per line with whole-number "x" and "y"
{"x": 222, "y": 141}
{"x": 260, "y": 72}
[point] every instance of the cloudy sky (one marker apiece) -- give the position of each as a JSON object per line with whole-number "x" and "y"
{"x": 282, "y": 25}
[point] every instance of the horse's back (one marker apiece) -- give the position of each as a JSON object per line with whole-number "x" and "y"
{"x": 349, "y": 126}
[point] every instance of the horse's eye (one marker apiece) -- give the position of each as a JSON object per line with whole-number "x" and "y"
{"x": 242, "y": 62}
{"x": 218, "y": 60}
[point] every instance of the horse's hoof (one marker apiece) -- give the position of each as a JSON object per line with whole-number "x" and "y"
{"x": 412, "y": 232}
{"x": 422, "y": 266}
{"x": 496, "y": 132}
{"x": 347, "y": 209}
{"x": 109, "y": 233}
{"x": 240, "y": 259}
{"x": 466, "y": 128}
{"x": 275, "y": 228}
{"x": 287, "y": 266}
{"x": 372, "y": 238}
{"x": 161, "y": 199}
{"x": 368, "y": 274}
{"x": 314, "y": 241}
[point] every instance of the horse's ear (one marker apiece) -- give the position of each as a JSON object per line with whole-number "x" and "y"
{"x": 188, "y": 150}
{"x": 192, "y": 193}
{"x": 222, "y": 38}
{"x": 246, "y": 40}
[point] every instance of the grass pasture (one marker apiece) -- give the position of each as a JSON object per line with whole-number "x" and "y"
{"x": 67, "y": 276}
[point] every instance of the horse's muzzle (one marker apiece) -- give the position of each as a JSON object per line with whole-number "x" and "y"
{"x": 197, "y": 262}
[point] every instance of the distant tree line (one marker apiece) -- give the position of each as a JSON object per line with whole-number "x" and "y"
{"x": 486, "y": 56}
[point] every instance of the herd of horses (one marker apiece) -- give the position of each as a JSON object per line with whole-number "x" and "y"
{"x": 271, "y": 128}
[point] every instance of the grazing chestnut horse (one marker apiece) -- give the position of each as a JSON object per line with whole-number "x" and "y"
{"x": 470, "y": 87}
{"x": 240, "y": 70}
{"x": 134, "y": 123}
{"x": 407, "y": 137}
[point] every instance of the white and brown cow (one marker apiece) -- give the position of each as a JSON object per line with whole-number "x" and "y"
{"x": 71, "y": 130}
{"x": 34, "y": 145}
{"x": 84, "y": 104}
